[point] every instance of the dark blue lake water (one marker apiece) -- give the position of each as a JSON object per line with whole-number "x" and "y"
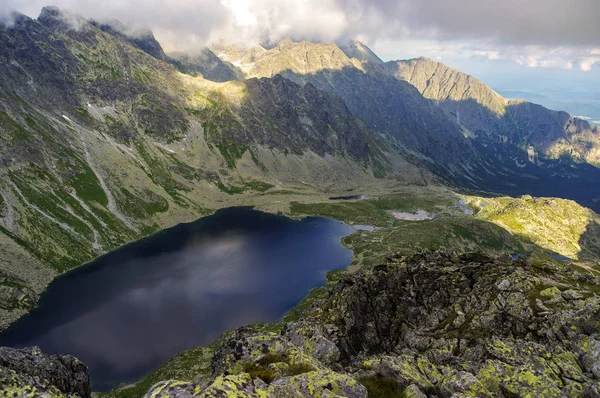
{"x": 131, "y": 310}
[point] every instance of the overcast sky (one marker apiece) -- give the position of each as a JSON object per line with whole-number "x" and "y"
{"x": 478, "y": 36}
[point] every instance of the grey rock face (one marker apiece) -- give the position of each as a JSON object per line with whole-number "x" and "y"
{"x": 14, "y": 292}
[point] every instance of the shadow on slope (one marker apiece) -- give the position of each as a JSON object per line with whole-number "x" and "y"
{"x": 511, "y": 170}
{"x": 589, "y": 242}
{"x": 396, "y": 108}
{"x": 425, "y": 133}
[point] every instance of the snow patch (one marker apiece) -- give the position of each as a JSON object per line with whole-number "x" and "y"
{"x": 420, "y": 215}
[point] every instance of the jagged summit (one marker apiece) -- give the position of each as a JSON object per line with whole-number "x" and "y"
{"x": 56, "y": 18}
{"x": 358, "y": 50}
{"x": 440, "y": 82}
{"x": 141, "y": 38}
{"x": 302, "y": 57}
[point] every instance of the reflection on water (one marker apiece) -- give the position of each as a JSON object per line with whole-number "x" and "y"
{"x": 133, "y": 309}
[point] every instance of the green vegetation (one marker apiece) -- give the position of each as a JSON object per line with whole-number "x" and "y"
{"x": 558, "y": 225}
{"x": 88, "y": 187}
{"x": 229, "y": 189}
{"x": 261, "y": 369}
{"x": 143, "y": 205}
{"x": 160, "y": 174}
{"x": 83, "y": 113}
{"x": 296, "y": 313}
{"x": 231, "y": 152}
{"x": 254, "y": 185}
{"x": 13, "y": 129}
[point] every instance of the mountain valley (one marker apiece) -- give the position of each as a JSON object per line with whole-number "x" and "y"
{"x": 106, "y": 139}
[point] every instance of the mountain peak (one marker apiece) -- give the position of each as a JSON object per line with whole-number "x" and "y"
{"x": 438, "y": 81}
{"x": 285, "y": 42}
{"x": 358, "y": 50}
{"x": 302, "y": 58}
{"x": 141, "y": 38}
{"x": 54, "y": 17}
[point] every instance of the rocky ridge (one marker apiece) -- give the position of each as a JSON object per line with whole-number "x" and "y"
{"x": 463, "y": 131}
{"x": 491, "y": 118}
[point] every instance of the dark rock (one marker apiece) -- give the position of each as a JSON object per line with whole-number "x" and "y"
{"x": 29, "y": 367}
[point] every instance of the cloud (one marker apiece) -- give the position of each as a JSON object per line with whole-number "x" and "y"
{"x": 533, "y": 33}
{"x": 587, "y": 63}
{"x": 530, "y": 22}
{"x": 179, "y": 23}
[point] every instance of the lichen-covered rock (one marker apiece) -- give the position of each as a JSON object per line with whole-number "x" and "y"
{"x": 313, "y": 339}
{"x": 413, "y": 391}
{"x": 463, "y": 383}
{"x": 248, "y": 349}
{"x": 30, "y": 373}
{"x": 315, "y": 384}
{"x": 325, "y": 383}
{"x": 504, "y": 323}
{"x": 406, "y": 371}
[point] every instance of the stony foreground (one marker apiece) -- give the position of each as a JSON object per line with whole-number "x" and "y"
{"x": 430, "y": 325}
{"x": 30, "y": 373}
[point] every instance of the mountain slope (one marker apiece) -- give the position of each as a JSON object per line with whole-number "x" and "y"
{"x": 491, "y": 118}
{"x": 356, "y": 49}
{"x": 386, "y": 105}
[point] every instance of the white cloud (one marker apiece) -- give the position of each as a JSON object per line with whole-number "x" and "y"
{"x": 254, "y": 21}
{"x": 586, "y": 64}
{"x": 562, "y": 36}
{"x": 489, "y": 54}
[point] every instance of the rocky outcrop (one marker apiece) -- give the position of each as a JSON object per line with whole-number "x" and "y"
{"x": 434, "y": 324}
{"x": 30, "y": 373}
{"x": 470, "y": 325}
{"x": 15, "y": 292}
{"x": 298, "y": 362}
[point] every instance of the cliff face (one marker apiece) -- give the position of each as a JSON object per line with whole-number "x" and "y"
{"x": 435, "y": 324}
